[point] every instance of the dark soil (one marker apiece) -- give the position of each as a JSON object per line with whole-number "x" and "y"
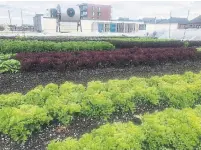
{"x": 23, "y": 82}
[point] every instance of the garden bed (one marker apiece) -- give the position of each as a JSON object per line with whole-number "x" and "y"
{"x": 23, "y": 82}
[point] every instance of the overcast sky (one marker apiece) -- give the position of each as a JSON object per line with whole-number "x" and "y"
{"x": 132, "y": 10}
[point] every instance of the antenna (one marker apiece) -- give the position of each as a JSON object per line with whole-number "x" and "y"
{"x": 10, "y": 19}
{"x": 185, "y": 28}
{"x": 170, "y": 23}
{"x": 22, "y": 22}
{"x": 21, "y": 17}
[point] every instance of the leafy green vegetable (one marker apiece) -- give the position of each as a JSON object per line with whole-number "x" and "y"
{"x": 102, "y": 99}
{"x": 20, "y": 122}
{"x": 173, "y": 129}
{"x": 11, "y": 65}
{"x": 16, "y": 46}
{"x": 117, "y": 136}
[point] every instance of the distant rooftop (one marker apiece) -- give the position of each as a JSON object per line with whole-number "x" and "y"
{"x": 165, "y": 21}
{"x": 92, "y": 4}
{"x": 39, "y": 15}
{"x": 175, "y": 20}
{"x": 196, "y": 20}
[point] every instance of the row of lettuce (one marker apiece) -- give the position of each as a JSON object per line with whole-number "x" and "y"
{"x": 101, "y": 59}
{"x": 170, "y": 129}
{"x": 43, "y": 61}
{"x": 22, "y": 114}
{"x": 108, "y": 38}
{"x": 16, "y": 46}
{"x": 68, "y": 38}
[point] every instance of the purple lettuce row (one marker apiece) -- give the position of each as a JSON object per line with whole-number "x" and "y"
{"x": 43, "y": 61}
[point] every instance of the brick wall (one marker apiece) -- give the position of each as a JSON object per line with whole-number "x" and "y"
{"x": 105, "y": 12}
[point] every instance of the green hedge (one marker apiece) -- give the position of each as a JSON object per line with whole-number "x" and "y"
{"x": 167, "y": 130}
{"x": 16, "y": 46}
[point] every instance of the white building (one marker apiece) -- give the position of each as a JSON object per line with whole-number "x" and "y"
{"x": 46, "y": 24}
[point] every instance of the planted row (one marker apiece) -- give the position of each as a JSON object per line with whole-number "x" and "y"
{"x": 96, "y": 100}
{"x": 101, "y": 59}
{"x": 68, "y": 38}
{"x": 16, "y": 46}
{"x": 146, "y": 43}
{"x": 170, "y": 129}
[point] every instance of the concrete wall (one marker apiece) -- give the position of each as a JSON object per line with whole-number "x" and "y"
{"x": 160, "y": 27}
{"x": 87, "y": 26}
{"x": 49, "y": 25}
{"x": 68, "y": 27}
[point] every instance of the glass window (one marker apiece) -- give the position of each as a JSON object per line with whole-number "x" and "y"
{"x": 93, "y": 13}
{"x": 99, "y": 9}
{"x": 93, "y": 8}
{"x": 84, "y": 7}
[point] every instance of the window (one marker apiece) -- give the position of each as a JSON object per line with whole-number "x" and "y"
{"x": 93, "y": 8}
{"x": 99, "y": 9}
{"x": 93, "y": 13}
{"x": 99, "y": 13}
{"x": 84, "y": 7}
{"x": 84, "y": 14}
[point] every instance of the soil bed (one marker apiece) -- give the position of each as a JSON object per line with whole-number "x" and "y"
{"x": 23, "y": 82}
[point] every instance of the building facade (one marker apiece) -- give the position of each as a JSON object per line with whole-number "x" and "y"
{"x": 95, "y": 12}
{"x": 37, "y": 20}
{"x": 195, "y": 23}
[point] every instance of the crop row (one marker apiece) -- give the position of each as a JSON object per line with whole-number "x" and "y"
{"x": 98, "y": 38}
{"x": 20, "y": 114}
{"x": 146, "y": 44}
{"x": 102, "y": 59}
{"x": 16, "y": 46}
{"x": 70, "y": 38}
{"x": 150, "y": 42}
{"x": 166, "y": 130}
